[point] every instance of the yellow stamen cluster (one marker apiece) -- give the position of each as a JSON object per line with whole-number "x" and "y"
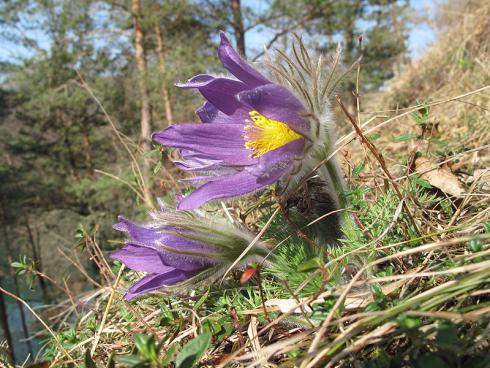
{"x": 263, "y": 135}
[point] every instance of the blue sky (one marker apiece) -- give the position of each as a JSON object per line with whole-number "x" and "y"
{"x": 420, "y": 37}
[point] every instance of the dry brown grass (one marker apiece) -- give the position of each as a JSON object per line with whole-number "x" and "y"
{"x": 458, "y": 63}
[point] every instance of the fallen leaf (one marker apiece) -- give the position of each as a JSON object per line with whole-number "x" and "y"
{"x": 440, "y": 177}
{"x": 288, "y": 305}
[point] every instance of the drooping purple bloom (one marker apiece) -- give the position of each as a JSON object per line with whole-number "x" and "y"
{"x": 180, "y": 249}
{"x": 253, "y": 131}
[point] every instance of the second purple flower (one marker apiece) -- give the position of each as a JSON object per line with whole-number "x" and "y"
{"x": 180, "y": 250}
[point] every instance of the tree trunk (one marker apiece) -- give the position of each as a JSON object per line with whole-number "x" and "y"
{"x": 350, "y": 19}
{"x": 161, "y": 64}
{"x": 140, "y": 59}
{"x": 238, "y": 26}
{"x": 399, "y": 30}
{"x": 5, "y": 326}
{"x": 350, "y": 47}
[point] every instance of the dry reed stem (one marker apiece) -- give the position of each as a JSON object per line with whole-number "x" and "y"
{"x": 106, "y": 312}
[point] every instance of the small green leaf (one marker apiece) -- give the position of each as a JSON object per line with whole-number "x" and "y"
{"x": 377, "y": 291}
{"x": 201, "y": 300}
{"x": 417, "y": 117}
{"x": 170, "y": 354}
{"x": 88, "y": 361}
{"x": 157, "y": 167}
{"x": 374, "y": 136}
{"x": 486, "y": 227}
{"x": 440, "y": 142}
{"x": 388, "y": 271}
{"x": 421, "y": 182}
{"x": 149, "y": 153}
{"x": 129, "y": 360}
{"x": 192, "y": 352}
{"x": 146, "y": 346}
{"x": 407, "y": 322}
{"x": 371, "y": 307}
{"x": 358, "y": 169}
{"x": 311, "y": 264}
{"x": 294, "y": 353}
{"x": 405, "y": 137}
{"x": 167, "y": 319}
{"x": 141, "y": 341}
{"x": 475, "y": 245}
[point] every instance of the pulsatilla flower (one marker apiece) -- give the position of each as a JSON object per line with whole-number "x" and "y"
{"x": 253, "y": 132}
{"x": 180, "y": 250}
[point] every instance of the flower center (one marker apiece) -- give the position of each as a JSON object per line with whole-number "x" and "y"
{"x": 263, "y": 135}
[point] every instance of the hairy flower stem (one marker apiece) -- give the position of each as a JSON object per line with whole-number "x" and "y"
{"x": 262, "y": 252}
{"x": 338, "y": 183}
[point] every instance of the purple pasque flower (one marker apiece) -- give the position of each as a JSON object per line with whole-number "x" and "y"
{"x": 253, "y": 132}
{"x": 179, "y": 250}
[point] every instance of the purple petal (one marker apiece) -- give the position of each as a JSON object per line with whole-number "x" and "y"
{"x": 152, "y": 238}
{"x": 197, "y": 81}
{"x": 179, "y": 198}
{"x": 135, "y": 256}
{"x": 216, "y": 141}
{"x": 193, "y": 156}
{"x": 194, "y": 163}
{"x": 141, "y": 259}
{"x": 178, "y": 242}
{"x": 277, "y": 163}
{"x": 137, "y": 232}
{"x": 210, "y": 114}
{"x": 277, "y": 103}
{"x": 226, "y": 187}
{"x": 186, "y": 166}
{"x": 201, "y": 178}
{"x": 220, "y": 92}
{"x": 156, "y": 281}
{"x": 237, "y": 66}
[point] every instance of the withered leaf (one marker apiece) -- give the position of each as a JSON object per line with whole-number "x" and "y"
{"x": 440, "y": 177}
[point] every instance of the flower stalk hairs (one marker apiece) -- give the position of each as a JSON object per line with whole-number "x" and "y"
{"x": 180, "y": 250}
{"x": 256, "y": 130}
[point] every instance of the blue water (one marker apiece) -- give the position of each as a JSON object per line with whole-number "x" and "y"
{"x": 21, "y": 350}
{"x": 32, "y": 295}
